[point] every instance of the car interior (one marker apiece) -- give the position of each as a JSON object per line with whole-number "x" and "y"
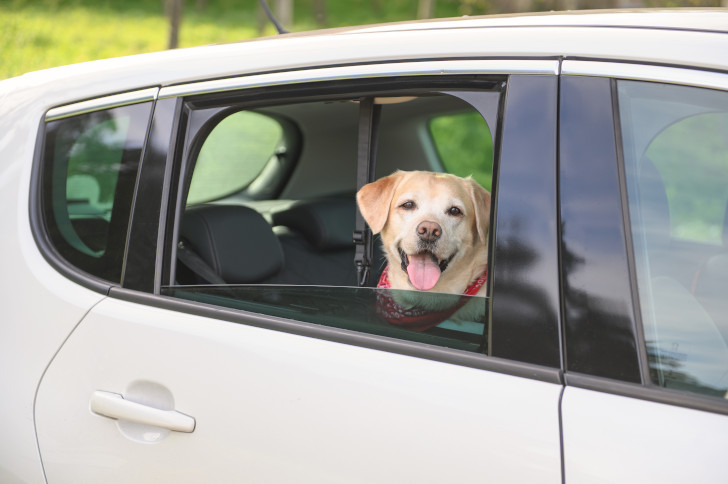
{"x": 298, "y": 230}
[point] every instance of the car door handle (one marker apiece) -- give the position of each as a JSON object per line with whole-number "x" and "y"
{"x": 114, "y": 406}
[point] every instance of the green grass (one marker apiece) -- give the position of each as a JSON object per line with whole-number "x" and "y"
{"x": 47, "y": 33}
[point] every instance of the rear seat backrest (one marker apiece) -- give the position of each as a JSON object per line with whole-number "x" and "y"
{"x": 316, "y": 236}
{"x": 235, "y": 241}
{"x": 326, "y": 224}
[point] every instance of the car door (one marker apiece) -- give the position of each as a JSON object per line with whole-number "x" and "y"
{"x": 643, "y": 176}
{"x": 169, "y": 383}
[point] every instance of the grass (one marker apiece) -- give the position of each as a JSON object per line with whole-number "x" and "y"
{"x": 37, "y": 34}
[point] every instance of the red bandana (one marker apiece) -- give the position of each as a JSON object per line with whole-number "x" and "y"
{"x": 414, "y": 318}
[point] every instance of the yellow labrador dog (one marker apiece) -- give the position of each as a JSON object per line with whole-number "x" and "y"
{"x": 434, "y": 232}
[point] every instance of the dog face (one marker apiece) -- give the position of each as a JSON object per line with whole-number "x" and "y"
{"x": 434, "y": 228}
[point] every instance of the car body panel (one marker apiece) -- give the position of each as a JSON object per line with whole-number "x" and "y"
{"x": 40, "y": 307}
{"x": 613, "y": 438}
{"x": 284, "y": 407}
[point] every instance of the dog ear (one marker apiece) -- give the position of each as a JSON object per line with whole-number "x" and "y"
{"x": 481, "y": 200}
{"x": 374, "y": 200}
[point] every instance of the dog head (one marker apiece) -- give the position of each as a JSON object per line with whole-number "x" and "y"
{"x": 434, "y": 226}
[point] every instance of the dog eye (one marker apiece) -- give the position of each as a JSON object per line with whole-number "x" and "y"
{"x": 455, "y": 212}
{"x": 408, "y": 205}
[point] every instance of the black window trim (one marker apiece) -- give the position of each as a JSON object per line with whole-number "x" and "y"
{"x": 600, "y": 339}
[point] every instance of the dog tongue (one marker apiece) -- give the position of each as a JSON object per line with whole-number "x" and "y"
{"x": 423, "y": 271}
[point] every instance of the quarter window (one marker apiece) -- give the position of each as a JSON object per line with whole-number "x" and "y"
{"x": 90, "y": 168}
{"x": 676, "y": 156}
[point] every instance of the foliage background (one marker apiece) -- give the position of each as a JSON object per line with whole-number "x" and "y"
{"x": 37, "y": 34}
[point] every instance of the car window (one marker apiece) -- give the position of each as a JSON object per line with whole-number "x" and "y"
{"x": 676, "y": 155}
{"x": 292, "y": 256}
{"x": 90, "y": 166}
{"x": 233, "y": 155}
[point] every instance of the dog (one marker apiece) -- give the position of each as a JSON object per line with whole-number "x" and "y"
{"x": 434, "y": 233}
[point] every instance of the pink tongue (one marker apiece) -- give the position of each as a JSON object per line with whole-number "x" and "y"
{"x": 423, "y": 272}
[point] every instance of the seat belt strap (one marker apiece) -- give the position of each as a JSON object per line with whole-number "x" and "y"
{"x": 196, "y": 264}
{"x": 369, "y": 114}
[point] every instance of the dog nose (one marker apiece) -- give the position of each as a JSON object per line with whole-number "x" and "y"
{"x": 429, "y": 231}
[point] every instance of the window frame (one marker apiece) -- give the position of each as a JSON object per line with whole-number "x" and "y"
{"x": 525, "y": 69}
{"x": 217, "y": 106}
{"x": 644, "y": 389}
{"x": 39, "y": 173}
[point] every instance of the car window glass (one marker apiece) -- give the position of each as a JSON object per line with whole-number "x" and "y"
{"x": 359, "y": 309}
{"x": 233, "y": 155}
{"x": 676, "y": 156}
{"x": 293, "y": 256}
{"x": 700, "y": 137}
{"x": 91, "y": 162}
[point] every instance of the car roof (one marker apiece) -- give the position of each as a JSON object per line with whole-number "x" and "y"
{"x": 704, "y": 20}
{"x": 676, "y": 37}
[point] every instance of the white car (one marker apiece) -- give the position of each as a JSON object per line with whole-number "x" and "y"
{"x": 180, "y": 301}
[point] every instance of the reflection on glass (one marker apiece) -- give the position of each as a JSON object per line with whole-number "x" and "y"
{"x": 359, "y": 309}
{"x": 676, "y": 165}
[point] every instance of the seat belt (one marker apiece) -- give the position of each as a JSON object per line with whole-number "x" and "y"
{"x": 196, "y": 264}
{"x": 369, "y": 114}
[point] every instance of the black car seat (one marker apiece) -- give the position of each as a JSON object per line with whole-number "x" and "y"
{"x": 316, "y": 236}
{"x": 235, "y": 241}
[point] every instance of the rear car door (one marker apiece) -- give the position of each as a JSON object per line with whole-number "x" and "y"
{"x": 644, "y": 171}
{"x": 176, "y": 381}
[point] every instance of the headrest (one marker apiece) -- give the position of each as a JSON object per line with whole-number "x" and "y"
{"x": 326, "y": 224}
{"x": 236, "y": 241}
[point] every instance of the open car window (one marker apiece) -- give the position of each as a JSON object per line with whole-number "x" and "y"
{"x": 278, "y": 241}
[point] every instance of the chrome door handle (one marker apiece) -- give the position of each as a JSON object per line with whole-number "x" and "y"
{"x": 114, "y": 406}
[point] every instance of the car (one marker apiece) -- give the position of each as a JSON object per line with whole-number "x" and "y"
{"x": 188, "y": 295}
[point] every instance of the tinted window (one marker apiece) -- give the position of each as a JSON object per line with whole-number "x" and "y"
{"x": 90, "y": 170}
{"x": 676, "y": 155}
{"x": 359, "y": 309}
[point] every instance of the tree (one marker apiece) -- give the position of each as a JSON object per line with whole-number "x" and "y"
{"x": 426, "y": 9}
{"x": 322, "y": 18}
{"x": 174, "y": 12}
{"x": 284, "y": 12}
